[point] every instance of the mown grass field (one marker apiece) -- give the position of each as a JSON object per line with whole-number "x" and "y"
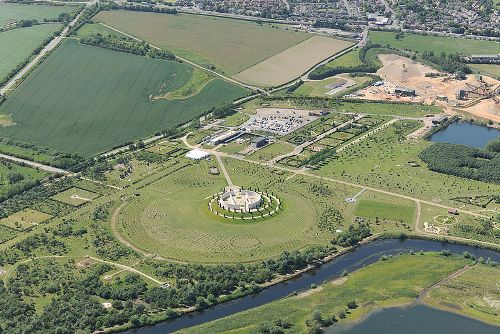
{"x": 437, "y": 44}
{"x": 382, "y": 161}
{"x": 236, "y": 119}
{"x": 491, "y": 70}
{"x": 170, "y": 217}
{"x": 316, "y": 88}
{"x": 24, "y": 219}
{"x": 293, "y": 62}
{"x": 15, "y": 12}
{"x": 18, "y": 44}
{"x": 86, "y": 99}
{"x": 271, "y": 151}
{"x": 384, "y": 211}
{"x": 75, "y": 196}
{"x": 474, "y": 293}
{"x": 230, "y": 45}
{"x": 396, "y": 281}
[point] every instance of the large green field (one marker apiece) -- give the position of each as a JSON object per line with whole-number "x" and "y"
{"x": 231, "y": 45}
{"x": 381, "y": 210}
{"x": 14, "y": 12}
{"x": 437, "y": 44}
{"x": 86, "y": 99}
{"x": 396, "y": 281}
{"x": 170, "y": 217}
{"x": 18, "y": 44}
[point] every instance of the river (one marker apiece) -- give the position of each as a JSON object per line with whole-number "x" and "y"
{"x": 356, "y": 259}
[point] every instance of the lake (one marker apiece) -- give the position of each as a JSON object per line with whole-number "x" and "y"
{"x": 465, "y": 133}
{"x": 414, "y": 320}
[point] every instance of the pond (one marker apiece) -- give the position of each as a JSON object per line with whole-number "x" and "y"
{"x": 414, "y": 320}
{"x": 465, "y": 133}
{"x": 356, "y": 259}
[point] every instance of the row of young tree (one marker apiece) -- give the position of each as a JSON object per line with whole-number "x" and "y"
{"x": 463, "y": 161}
{"x": 126, "y": 44}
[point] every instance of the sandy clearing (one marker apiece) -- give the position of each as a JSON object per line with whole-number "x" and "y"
{"x": 309, "y": 292}
{"x": 402, "y": 71}
{"x": 291, "y": 63}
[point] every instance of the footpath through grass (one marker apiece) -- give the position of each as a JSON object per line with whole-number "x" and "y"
{"x": 86, "y": 99}
{"x": 396, "y": 281}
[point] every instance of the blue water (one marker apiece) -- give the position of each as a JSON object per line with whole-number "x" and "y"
{"x": 414, "y": 320}
{"x": 465, "y": 133}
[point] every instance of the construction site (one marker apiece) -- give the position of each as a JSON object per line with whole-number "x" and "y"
{"x": 406, "y": 80}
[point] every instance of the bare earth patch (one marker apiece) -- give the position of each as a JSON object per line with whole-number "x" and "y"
{"x": 440, "y": 90}
{"x": 293, "y": 62}
{"x": 309, "y": 292}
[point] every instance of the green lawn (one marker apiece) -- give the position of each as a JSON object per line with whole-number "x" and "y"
{"x": 236, "y": 119}
{"x": 18, "y": 44}
{"x": 475, "y": 294}
{"x": 231, "y": 45}
{"x": 382, "y": 161}
{"x": 7, "y": 169}
{"x": 347, "y": 60}
{"x": 271, "y": 151}
{"x": 15, "y": 12}
{"x": 86, "y": 99}
{"x": 437, "y": 44}
{"x": 316, "y": 88}
{"x": 384, "y": 211}
{"x": 492, "y": 70}
{"x": 396, "y": 281}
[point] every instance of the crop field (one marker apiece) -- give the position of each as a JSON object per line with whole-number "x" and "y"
{"x": 14, "y": 12}
{"x": 437, "y": 44}
{"x": 383, "y": 161}
{"x": 75, "y": 196}
{"x": 171, "y": 217}
{"x": 347, "y": 60}
{"x": 229, "y": 45}
{"x": 293, "y": 62}
{"x": 384, "y": 211}
{"x": 86, "y": 100}
{"x": 97, "y": 28}
{"x": 18, "y": 44}
{"x": 24, "y": 219}
{"x": 396, "y": 281}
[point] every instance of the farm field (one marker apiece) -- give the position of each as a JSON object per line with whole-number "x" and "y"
{"x": 347, "y": 60}
{"x": 475, "y": 294}
{"x": 15, "y": 12}
{"x": 96, "y": 28}
{"x": 170, "y": 218}
{"x": 230, "y": 45}
{"x": 18, "y": 44}
{"x": 437, "y": 44}
{"x": 115, "y": 106}
{"x": 396, "y": 281}
{"x": 293, "y": 62}
{"x": 383, "y": 161}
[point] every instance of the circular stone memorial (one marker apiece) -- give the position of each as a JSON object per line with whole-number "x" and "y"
{"x": 239, "y": 200}
{"x": 237, "y": 203}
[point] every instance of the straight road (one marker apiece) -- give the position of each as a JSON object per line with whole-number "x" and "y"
{"x": 36, "y": 165}
{"x": 48, "y": 48}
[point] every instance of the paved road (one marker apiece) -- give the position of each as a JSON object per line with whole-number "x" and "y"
{"x": 49, "y": 47}
{"x": 36, "y": 165}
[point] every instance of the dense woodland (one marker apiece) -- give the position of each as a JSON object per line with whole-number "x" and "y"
{"x": 463, "y": 161}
